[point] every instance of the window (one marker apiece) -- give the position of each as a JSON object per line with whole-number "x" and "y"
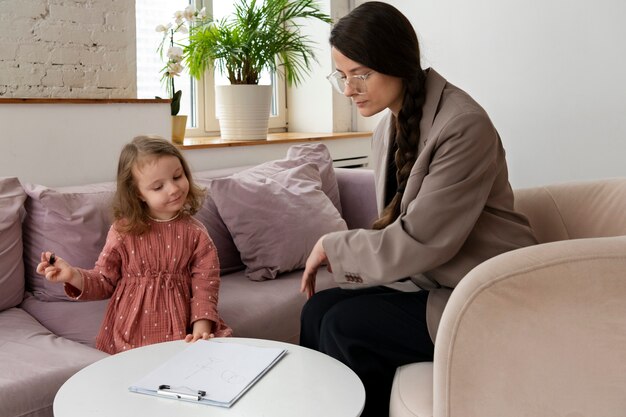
{"x": 149, "y": 14}
{"x": 198, "y": 101}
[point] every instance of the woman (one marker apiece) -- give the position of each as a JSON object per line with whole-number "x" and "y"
{"x": 445, "y": 201}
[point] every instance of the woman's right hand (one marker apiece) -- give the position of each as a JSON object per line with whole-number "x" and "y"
{"x": 59, "y": 270}
{"x": 313, "y": 262}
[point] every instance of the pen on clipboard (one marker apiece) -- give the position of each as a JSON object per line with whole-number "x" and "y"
{"x": 167, "y": 391}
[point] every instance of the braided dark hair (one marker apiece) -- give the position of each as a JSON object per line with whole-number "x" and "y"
{"x": 379, "y": 36}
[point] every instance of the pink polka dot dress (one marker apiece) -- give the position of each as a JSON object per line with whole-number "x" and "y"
{"x": 159, "y": 282}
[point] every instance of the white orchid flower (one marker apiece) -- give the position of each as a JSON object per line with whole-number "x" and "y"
{"x": 175, "y": 53}
{"x": 174, "y": 69}
{"x": 179, "y": 15}
{"x": 163, "y": 28}
{"x": 189, "y": 13}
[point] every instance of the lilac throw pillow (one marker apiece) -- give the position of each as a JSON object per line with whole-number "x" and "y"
{"x": 12, "y": 198}
{"x": 319, "y": 154}
{"x": 229, "y": 257}
{"x": 71, "y": 221}
{"x": 276, "y": 218}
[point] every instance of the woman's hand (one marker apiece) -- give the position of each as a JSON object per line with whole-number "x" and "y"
{"x": 313, "y": 262}
{"x": 201, "y": 330}
{"x": 55, "y": 269}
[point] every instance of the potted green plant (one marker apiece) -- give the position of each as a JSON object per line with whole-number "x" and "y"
{"x": 173, "y": 65}
{"x": 259, "y": 36}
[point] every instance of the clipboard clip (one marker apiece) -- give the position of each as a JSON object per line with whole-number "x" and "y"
{"x": 167, "y": 391}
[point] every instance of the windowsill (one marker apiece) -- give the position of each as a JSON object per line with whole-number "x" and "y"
{"x": 272, "y": 138}
{"x": 83, "y": 100}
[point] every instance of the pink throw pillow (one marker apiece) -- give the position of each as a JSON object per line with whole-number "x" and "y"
{"x": 71, "y": 221}
{"x": 12, "y": 198}
{"x": 275, "y": 218}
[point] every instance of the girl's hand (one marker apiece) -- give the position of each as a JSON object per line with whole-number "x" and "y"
{"x": 55, "y": 269}
{"x": 313, "y": 262}
{"x": 201, "y": 330}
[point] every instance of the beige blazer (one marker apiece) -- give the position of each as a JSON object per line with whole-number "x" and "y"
{"x": 456, "y": 211}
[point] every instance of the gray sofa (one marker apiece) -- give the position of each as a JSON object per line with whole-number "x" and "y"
{"x": 45, "y": 338}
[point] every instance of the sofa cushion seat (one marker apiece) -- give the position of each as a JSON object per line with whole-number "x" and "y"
{"x": 74, "y": 320}
{"x": 34, "y": 363}
{"x": 412, "y": 391}
{"x": 266, "y": 309}
{"x": 242, "y": 302}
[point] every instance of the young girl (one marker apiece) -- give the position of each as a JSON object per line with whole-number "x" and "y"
{"x": 158, "y": 265}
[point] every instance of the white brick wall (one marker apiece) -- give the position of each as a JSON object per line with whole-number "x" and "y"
{"x": 67, "y": 48}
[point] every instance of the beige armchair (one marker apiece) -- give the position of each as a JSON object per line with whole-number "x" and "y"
{"x": 539, "y": 331}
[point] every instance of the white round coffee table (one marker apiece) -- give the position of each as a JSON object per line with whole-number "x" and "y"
{"x": 304, "y": 383}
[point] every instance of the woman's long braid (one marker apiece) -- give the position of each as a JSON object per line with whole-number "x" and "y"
{"x": 406, "y": 133}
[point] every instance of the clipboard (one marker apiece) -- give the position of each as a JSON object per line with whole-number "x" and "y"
{"x": 209, "y": 372}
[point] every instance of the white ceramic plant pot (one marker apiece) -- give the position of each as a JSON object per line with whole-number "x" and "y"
{"x": 243, "y": 111}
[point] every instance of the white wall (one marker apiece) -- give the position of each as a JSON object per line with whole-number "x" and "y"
{"x": 68, "y": 144}
{"x": 551, "y": 74}
{"x": 67, "y": 48}
{"x": 313, "y": 106}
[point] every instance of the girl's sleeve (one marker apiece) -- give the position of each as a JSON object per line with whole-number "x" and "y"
{"x": 100, "y": 282}
{"x": 205, "y": 279}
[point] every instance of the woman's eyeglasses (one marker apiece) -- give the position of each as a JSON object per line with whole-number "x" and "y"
{"x": 357, "y": 82}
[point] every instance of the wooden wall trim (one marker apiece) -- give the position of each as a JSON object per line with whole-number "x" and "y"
{"x": 82, "y": 100}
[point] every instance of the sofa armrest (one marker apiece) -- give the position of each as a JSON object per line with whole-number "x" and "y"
{"x": 537, "y": 331}
{"x": 358, "y": 197}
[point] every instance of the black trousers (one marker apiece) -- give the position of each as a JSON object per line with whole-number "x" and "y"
{"x": 373, "y": 331}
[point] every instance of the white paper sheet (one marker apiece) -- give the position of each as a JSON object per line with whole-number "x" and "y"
{"x": 223, "y": 370}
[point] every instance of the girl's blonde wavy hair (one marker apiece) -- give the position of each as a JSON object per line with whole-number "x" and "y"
{"x": 128, "y": 207}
